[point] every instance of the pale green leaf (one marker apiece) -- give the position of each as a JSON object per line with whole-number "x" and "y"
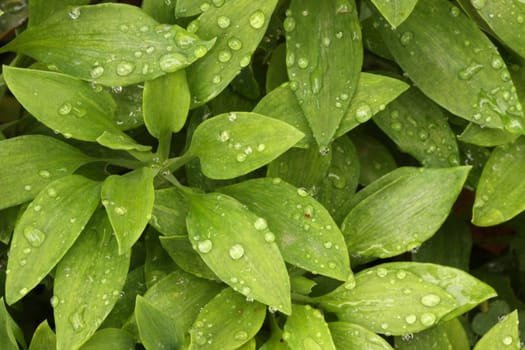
{"x": 9, "y": 330}
{"x": 156, "y": 328}
{"x": 233, "y": 144}
{"x": 395, "y": 11}
{"x": 169, "y": 211}
{"x": 411, "y": 208}
{"x": 46, "y": 230}
{"x": 353, "y": 336}
{"x": 29, "y": 163}
{"x": 129, "y": 202}
{"x": 43, "y": 338}
{"x": 501, "y": 191}
{"x": 277, "y": 74}
{"x": 485, "y": 137}
{"x": 237, "y": 246}
{"x": 161, "y": 11}
{"x": 110, "y": 339}
{"x": 227, "y": 322}
{"x": 448, "y": 57}
{"x": 158, "y": 263}
{"x": 324, "y": 58}
{"x": 189, "y": 8}
{"x": 504, "y": 335}
{"x": 448, "y": 335}
{"x": 39, "y": 10}
{"x": 88, "y": 282}
{"x": 303, "y": 229}
{"x": 112, "y": 44}
{"x": 238, "y": 27}
{"x": 306, "y": 329}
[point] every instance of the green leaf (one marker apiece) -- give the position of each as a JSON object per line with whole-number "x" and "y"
{"x": 275, "y": 342}
{"x": 352, "y": 336}
{"x": 445, "y": 335}
{"x": 129, "y": 202}
{"x": 277, "y": 74}
{"x": 47, "y": 229}
{"x": 158, "y": 263}
{"x": 169, "y": 115}
{"x": 230, "y": 145}
{"x": 419, "y": 127}
{"x": 161, "y": 11}
{"x": 109, "y": 339}
{"x": 189, "y": 8}
{"x": 395, "y": 11}
{"x": 250, "y": 345}
{"x": 238, "y": 26}
{"x": 43, "y": 337}
{"x": 9, "y": 331}
{"x": 180, "y": 250}
{"x": 39, "y": 10}
{"x": 181, "y": 296}
{"x": 507, "y": 25}
{"x": 485, "y": 137}
{"x": 504, "y": 334}
{"x": 156, "y": 328}
{"x": 390, "y": 301}
{"x": 91, "y": 270}
{"x": 375, "y": 159}
{"x": 303, "y": 229}
{"x": 412, "y": 208}
{"x": 112, "y": 44}
{"x": 237, "y": 246}
{"x": 471, "y": 293}
{"x": 500, "y": 192}
{"x": 65, "y": 104}
{"x": 448, "y": 57}
{"x": 324, "y": 58}
{"x": 169, "y": 211}
{"x": 301, "y": 326}
{"x": 29, "y": 163}
{"x": 129, "y": 106}
{"x": 476, "y": 157}
{"x": 227, "y": 322}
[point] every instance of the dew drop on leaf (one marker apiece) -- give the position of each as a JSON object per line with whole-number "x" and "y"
{"x": 224, "y": 56}
{"x": 65, "y": 108}
{"x": 269, "y": 237}
{"x": 411, "y": 319}
{"x": 406, "y": 38}
{"x": 507, "y": 340}
{"x": 257, "y": 20}
{"x": 96, "y": 72}
{"x": 260, "y": 224}
{"x": 76, "y": 319}
{"x": 236, "y": 251}
{"x": 205, "y": 246}
{"x": 289, "y": 24}
{"x": 363, "y": 113}
{"x": 34, "y": 236}
{"x": 74, "y": 13}
{"x": 125, "y": 68}
{"x": 430, "y": 300}
{"x": 240, "y": 335}
{"x": 235, "y": 44}
{"x": 223, "y": 22}
{"x": 172, "y": 62}
{"x": 428, "y": 319}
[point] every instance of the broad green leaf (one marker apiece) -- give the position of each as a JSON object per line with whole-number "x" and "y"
{"x": 67, "y": 104}
{"x": 161, "y": 11}
{"x": 29, "y": 163}
{"x": 166, "y": 103}
{"x": 88, "y": 283}
{"x": 8, "y": 218}
{"x": 227, "y": 322}
{"x": 419, "y": 127}
{"x": 9, "y": 330}
{"x": 504, "y": 335}
{"x": 43, "y": 338}
{"x": 129, "y": 106}
{"x": 156, "y": 328}
{"x": 352, "y": 336}
{"x": 109, "y": 339}
{"x": 250, "y": 345}
{"x": 302, "y": 285}
{"x": 342, "y": 178}
{"x": 489, "y": 316}
{"x": 389, "y": 301}
{"x": 47, "y": 229}
{"x": 373, "y": 93}
{"x": 324, "y": 58}
{"x": 303, "y": 229}
{"x": 237, "y": 246}
{"x": 169, "y": 211}
{"x": 39, "y": 10}
{"x": 446, "y": 335}
{"x": 112, "y": 44}
{"x": 189, "y": 8}
{"x": 411, "y": 209}
{"x": 230, "y": 145}
{"x": 275, "y": 342}
{"x": 375, "y": 159}
{"x": 277, "y": 74}
{"x": 486, "y": 137}
{"x": 395, "y": 11}
{"x": 238, "y": 27}
{"x": 471, "y": 293}
{"x": 500, "y": 192}
{"x": 306, "y": 329}
{"x": 129, "y": 202}
{"x": 158, "y": 263}
{"x": 476, "y": 157}
{"x": 448, "y": 57}
{"x": 180, "y": 250}
{"x": 507, "y": 25}
{"x": 301, "y": 167}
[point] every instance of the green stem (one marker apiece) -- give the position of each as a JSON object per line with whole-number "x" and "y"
{"x": 163, "y": 151}
{"x": 174, "y": 164}
{"x": 125, "y": 163}
{"x": 302, "y": 298}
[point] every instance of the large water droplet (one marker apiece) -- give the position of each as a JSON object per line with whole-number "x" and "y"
{"x": 96, "y": 72}
{"x": 245, "y": 61}
{"x": 430, "y": 300}
{"x": 223, "y": 22}
{"x": 172, "y": 62}
{"x": 205, "y": 246}
{"x": 34, "y": 236}
{"x": 260, "y": 224}
{"x": 236, "y": 251}
{"x": 302, "y": 62}
{"x": 125, "y": 68}
{"x": 65, "y": 108}
{"x": 257, "y": 19}
{"x": 289, "y": 24}
{"x": 381, "y": 272}
{"x": 363, "y": 113}
{"x": 224, "y": 56}
{"x": 301, "y": 191}
{"x": 224, "y": 136}
{"x": 507, "y": 340}
{"x": 406, "y": 38}
{"x": 234, "y": 44}
{"x": 411, "y": 319}
{"x": 240, "y": 335}
{"x": 428, "y": 319}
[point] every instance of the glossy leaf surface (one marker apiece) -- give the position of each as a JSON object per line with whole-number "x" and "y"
{"x": 446, "y": 335}
{"x": 157, "y": 329}
{"x": 352, "y": 336}
{"x": 307, "y": 329}
{"x": 43, "y": 337}
{"x": 504, "y": 335}
{"x": 169, "y": 211}
{"x": 395, "y": 11}
{"x": 109, "y": 339}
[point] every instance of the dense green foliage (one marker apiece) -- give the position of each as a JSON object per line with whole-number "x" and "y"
{"x": 271, "y": 174}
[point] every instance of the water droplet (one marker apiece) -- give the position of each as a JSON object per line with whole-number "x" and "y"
{"x": 430, "y": 300}
{"x": 74, "y": 13}
{"x": 96, "y": 72}
{"x": 23, "y": 262}
{"x": 428, "y": 319}
{"x": 65, "y": 108}
{"x": 120, "y": 211}
{"x": 454, "y": 11}
{"x": 245, "y": 61}
{"x": 381, "y": 272}
{"x": 236, "y": 251}
{"x": 172, "y": 62}
{"x": 496, "y": 62}
{"x": 260, "y": 224}
{"x": 246, "y": 290}
{"x": 257, "y": 19}
{"x": 216, "y": 79}
{"x": 407, "y": 337}
{"x": 507, "y": 340}
{"x": 240, "y": 335}
{"x": 241, "y": 157}
{"x": 396, "y": 126}
{"x": 223, "y": 22}
{"x": 224, "y": 56}
{"x": 205, "y": 246}
{"x": 478, "y": 4}
{"x": 51, "y": 192}
{"x": 125, "y": 68}
{"x": 34, "y": 236}
{"x": 234, "y": 44}
{"x": 200, "y": 51}
{"x": 406, "y": 38}
{"x": 54, "y": 301}
{"x": 269, "y": 237}
{"x": 204, "y": 7}
{"x": 363, "y": 113}
{"x": 23, "y": 291}
{"x": 45, "y": 174}
{"x": 468, "y": 72}
{"x": 289, "y": 24}
{"x": 76, "y": 319}
{"x": 401, "y": 274}
{"x": 224, "y": 136}
{"x": 301, "y": 191}
{"x": 411, "y": 319}
{"x": 327, "y": 244}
